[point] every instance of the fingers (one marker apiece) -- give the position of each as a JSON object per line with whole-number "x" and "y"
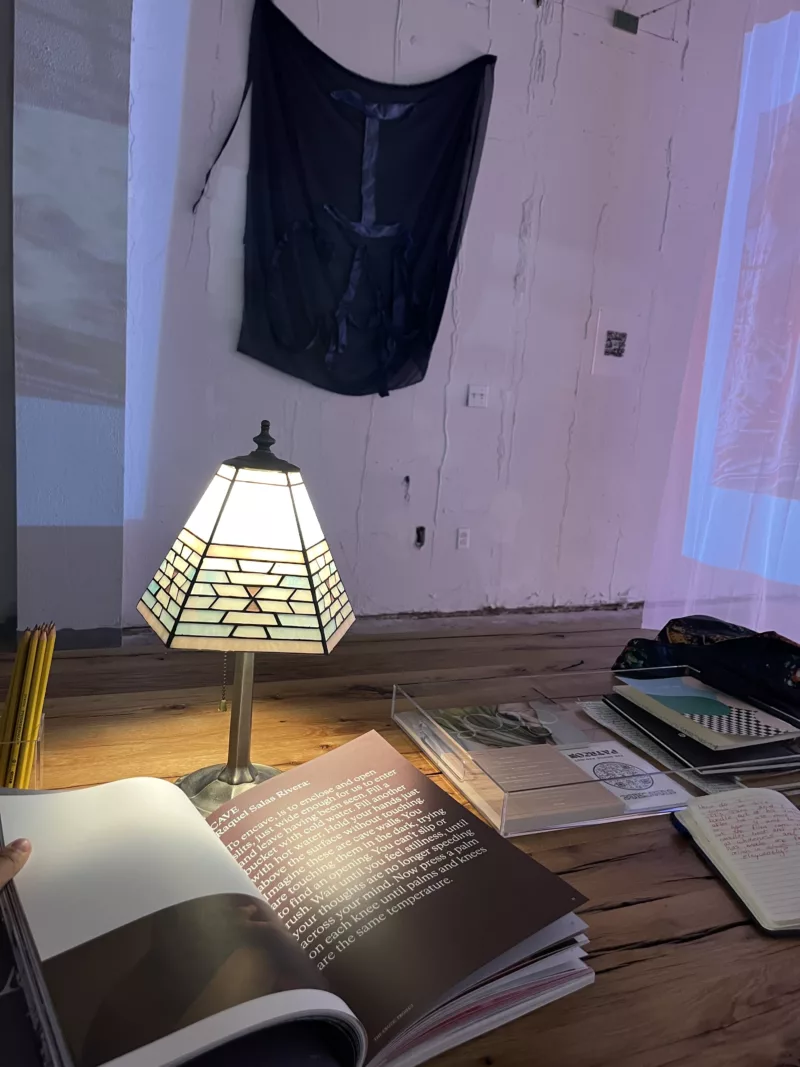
{"x": 13, "y": 858}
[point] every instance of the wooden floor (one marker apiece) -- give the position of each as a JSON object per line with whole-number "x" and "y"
{"x": 683, "y": 977}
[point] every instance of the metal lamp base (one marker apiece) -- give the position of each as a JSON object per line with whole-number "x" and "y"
{"x": 211, "y": 787}
{"x": 208, "y": 790}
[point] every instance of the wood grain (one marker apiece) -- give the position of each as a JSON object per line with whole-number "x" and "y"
{"x": 683, "y": 978}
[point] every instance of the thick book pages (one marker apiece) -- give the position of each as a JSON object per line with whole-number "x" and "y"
{"x": 393, "y": 890}
{"x": 351, "y": 897}
{"x": 752, "y": 837}
{"x": 153, "y": 944}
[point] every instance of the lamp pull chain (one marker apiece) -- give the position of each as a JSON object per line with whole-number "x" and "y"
{"x": 223, "y": 704}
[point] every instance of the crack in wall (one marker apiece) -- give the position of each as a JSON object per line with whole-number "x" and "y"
{"x": 456, "y": 326}
{"x": 398, "y": 26}
{"x": 614, "y": 561}
{"x": 211, "y": 135}
{"x": 362, "y": 485}
{"x": 537, "y": 62}
{"x": 487, "y": 8}
{"x": 292, "y": 425}
{"x": 669, "y": 193}
{"x": 501, "y": 435}
{"x": 191, "y": 238}
{"x": 594, "y": 271}
{"x": 537, "y": 65}
{"x": 528, "y": 258}
{"x": 211, "y": 139}
{"x": 558, "y": 54}
{"x": 567, "y": 467}
{"x": 686, "y": 42}
{"x": 645, "y": 365}
{"x": 213, "y": 116}
{"x": 520, "y": 287}
{"x": 319, "y": 14}
{"x": 574, "y": 419}
{"x": 523, "y": 239}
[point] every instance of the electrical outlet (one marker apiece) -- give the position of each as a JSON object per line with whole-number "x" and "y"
{"x": 478, "y": 396}
{"x": 462, "y": 537}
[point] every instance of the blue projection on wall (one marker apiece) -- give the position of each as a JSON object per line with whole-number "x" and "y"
{"x": 744, "y": 500}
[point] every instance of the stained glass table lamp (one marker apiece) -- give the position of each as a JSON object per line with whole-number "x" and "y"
{"x": 250, "y": 572}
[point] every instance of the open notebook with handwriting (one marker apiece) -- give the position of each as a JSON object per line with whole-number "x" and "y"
{"x": 752, "y": 838}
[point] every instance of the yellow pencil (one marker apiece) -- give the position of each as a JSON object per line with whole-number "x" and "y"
{"x": 36, "y": 684}
{"x": 34, "y": 722}
{"x": 12, "y": 701}
{"x": 33, "y": 668}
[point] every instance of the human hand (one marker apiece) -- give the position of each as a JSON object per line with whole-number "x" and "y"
{"x": 12, "y": 859}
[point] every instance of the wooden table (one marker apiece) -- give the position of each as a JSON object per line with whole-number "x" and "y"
{"x": 683, "y": 977}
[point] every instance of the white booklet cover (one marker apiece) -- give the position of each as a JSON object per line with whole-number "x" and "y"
{"x": 629, "y": 776}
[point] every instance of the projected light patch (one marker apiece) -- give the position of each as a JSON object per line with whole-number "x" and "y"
{"x": 221, "y": 580}
{"x": 756, "y": 449}
{"x": 744, "y": 500}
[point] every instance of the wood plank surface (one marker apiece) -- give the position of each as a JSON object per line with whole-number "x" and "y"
{"x": 683, "y": 977}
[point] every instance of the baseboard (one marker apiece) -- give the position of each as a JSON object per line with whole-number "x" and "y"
{"x": 480, "y": 613}
{"x": 102, "y": 637}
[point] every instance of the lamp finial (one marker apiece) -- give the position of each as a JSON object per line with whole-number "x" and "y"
{"x": 262, "y": 456}
{"x": 265, "y": 440}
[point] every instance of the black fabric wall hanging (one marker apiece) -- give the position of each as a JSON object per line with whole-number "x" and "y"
{"x": 357, "y": 197}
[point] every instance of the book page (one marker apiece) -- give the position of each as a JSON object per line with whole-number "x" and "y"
{"x": 138, "y": 845}
{"x": 759, "y": 833}
{"x": 391, "y": 888}
{"x": 154, "y": 944}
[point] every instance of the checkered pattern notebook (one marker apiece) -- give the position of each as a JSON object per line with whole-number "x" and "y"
{"x": 741, "y": 722}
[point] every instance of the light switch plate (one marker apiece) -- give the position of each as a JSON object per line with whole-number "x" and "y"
{"x": 478, "y": 396}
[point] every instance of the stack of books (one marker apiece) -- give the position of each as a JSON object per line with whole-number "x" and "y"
{"x": 715, "y": 735}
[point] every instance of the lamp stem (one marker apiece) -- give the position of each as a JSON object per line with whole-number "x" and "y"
{"x": 239, "y": 770}
{"x": 210, "y": 787}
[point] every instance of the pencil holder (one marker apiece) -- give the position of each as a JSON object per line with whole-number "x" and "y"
{"x": 21, "y": 762}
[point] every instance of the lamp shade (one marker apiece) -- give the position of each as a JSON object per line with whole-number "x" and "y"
{"x": 251, "y": 570}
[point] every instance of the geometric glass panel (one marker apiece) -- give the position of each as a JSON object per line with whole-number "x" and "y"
{"x": 252, "y": 571}
{"x": 309, "y": 525}
{"x": 258, "y": 516}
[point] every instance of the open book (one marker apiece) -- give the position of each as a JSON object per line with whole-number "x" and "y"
{"x": 752, "y": 838}
{"x": 350, "y": 894}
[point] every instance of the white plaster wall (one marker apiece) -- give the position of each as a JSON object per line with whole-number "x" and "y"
{"x": 598, "y": 204}
{"x": 70, "y": 178}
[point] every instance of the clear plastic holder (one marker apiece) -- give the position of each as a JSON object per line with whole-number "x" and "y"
{"x": 499, "y": 753}
{"x": 21, "y": 762}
